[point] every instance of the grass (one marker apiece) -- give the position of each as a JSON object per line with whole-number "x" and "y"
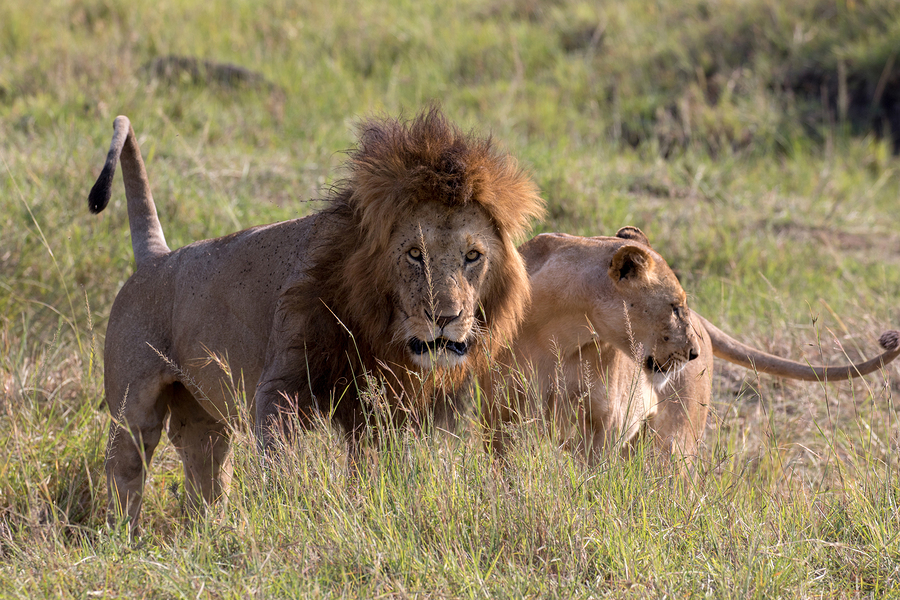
{"x": 733, "y": 133}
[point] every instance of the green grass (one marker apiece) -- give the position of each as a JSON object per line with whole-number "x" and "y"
{"x": 717, "y": 127}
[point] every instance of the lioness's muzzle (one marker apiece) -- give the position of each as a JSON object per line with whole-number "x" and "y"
{"x": 653, "y": 366}
{"x": 417, "y": 346}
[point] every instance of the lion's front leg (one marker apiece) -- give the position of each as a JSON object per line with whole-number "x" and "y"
{"x": 283, "y": 395}
{"x": 498, "y": 406}
{"x": 284, "y": 400}
{"x": 277, "y": 412}
{"x": 495, "y": 435}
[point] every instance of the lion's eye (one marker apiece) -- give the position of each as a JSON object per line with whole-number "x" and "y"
{"x": 415, "y": 254}
{"x": 677, "y": 310}
{"x": 472, "y": 255}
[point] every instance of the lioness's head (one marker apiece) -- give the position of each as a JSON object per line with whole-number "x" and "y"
{"x": 431, "y": 274}
{"x": 655, "y": 307}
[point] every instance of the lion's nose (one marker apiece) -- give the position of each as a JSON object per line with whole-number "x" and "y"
{"x": 692, "y": 354}
{"x": 442, "y": 320}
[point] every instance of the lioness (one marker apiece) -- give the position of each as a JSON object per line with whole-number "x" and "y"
{"x": 410, "y": 275}
{"x": 609, "y": 348}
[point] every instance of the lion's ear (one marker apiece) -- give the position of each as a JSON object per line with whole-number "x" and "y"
{"x": 630, "y": 264}
{"x": 630, "y": 232}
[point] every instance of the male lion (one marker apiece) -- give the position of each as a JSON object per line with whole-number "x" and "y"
{"x": 609, "y": 349}
{"x": 409, "y": 277}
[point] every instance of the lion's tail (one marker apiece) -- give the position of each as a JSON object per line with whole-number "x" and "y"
{"x": 147, "y": 237}
{"x": 728, "y": 348}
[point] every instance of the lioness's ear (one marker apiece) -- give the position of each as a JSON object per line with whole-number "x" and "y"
{"x": 630, "y": 263}
{"x": 632, "y": 233}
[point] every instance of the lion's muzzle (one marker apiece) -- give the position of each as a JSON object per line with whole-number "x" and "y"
{"x": 419, "y": 347}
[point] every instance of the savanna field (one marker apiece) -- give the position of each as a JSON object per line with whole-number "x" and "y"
{"x": 755, "y": 142}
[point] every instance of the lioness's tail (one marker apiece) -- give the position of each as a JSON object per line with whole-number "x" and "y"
{"x": 728, "y": 348}
{"x": 147, "y": 237}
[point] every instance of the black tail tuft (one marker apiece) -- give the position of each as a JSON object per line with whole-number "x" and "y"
{"x": 102, "y": 190}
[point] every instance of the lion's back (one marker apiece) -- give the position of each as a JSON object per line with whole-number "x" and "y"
{"x": 216, "y": 298}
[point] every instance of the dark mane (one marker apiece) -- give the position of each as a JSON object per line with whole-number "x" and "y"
{"x": 346, "y": 303}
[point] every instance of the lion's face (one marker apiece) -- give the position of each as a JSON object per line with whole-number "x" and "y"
{"x": 656, "y": 312}
{"x": 442, "y": 256}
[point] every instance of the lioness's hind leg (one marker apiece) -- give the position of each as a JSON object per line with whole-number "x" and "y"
{"x": 133, "y": 436}
{"x": 204, "y": 444}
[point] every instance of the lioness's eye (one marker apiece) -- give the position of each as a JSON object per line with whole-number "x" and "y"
{"x": 677, "y": 310}
{"x": 415, "y": 254}
{"x": 473, "y": 255}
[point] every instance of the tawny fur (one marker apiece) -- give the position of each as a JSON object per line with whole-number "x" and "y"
{"x": 415, "y": 247}
{"x": 582, "y": 361}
